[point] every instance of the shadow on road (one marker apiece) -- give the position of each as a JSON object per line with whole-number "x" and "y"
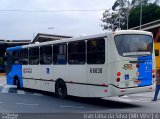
{"x": 107, "y": 103}
{"x": 104, "y": 103}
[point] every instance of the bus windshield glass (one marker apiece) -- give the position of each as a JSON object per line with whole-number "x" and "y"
{"x": 134, "y": 45}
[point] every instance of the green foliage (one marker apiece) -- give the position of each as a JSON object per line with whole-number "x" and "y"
{"x": 136, "y": 3}
{"x": 120, "y": 10}
{"x": 156, "y": 1}
{"x": 117, "y": 17}
{"x": 150, "y": 13}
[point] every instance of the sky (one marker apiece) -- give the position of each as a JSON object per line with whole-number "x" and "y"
{"x": 18, "y": 25}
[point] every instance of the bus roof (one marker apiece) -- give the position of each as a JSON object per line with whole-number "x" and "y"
{"x": 132, "y": 32}
{"x": 82, "y": 38}
{"x": 14, "y": 48}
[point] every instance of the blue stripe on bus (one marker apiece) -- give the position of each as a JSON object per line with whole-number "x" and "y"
{"x": 145, "y": 70}
{"x": 14, "y": 48}
{"x": 16, "y": 71}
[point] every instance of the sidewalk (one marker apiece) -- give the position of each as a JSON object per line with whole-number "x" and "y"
{"x": 138, "y": 97}
{"x": 2, "y": 80}
{"x": 146, "y": 94}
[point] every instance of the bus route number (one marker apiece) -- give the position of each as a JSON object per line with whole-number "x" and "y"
{"x": 95, "y": 70}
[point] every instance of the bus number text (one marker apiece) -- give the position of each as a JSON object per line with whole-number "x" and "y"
{"x": 95, "y": 70}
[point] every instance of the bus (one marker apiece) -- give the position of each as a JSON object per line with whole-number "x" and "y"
{"x": 101, "y": 65}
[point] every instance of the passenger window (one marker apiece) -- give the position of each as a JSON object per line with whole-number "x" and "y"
{"x": 60, "y": 54}
{"x": 16, "y": 57}
{"x": 76, "y": 52}
{"x": 156, "y": 52}
{"x": 34, "y": 56}
{"x": 46, "y": 55}
{"x": 96, "y": 51}
{"x": 9, "y": 61}
{"x": 24, "y": 56}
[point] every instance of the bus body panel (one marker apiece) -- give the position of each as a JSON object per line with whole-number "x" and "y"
{"x": 16, "y": 71}
{"x": 75, "y": 81}
{"x": 44, "y": 77}
{"x": 145, "y": 71}
{"x": 97, "y": 76}
{"x": 38, "y": 77}
{"x": 97, "y": 80}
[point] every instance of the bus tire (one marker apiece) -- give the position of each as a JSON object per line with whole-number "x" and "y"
{"x": 61, "y": 89}
{"x": 17, "y": 82}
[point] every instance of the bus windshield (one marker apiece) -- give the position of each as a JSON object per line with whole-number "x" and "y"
{"x": 134, "y": 45}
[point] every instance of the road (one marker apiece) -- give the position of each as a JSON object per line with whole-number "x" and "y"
{"x": 25, "y": 101}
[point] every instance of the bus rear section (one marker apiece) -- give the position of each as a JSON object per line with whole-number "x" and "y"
{"x": 134, "y": 64}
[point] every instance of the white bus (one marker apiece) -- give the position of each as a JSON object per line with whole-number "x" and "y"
{"x": 102, "y": 65}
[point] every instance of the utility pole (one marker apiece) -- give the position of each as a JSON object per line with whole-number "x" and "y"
{"x": 119, "y": 14}
{"x": 128, "y": 3}
{"x": 141, "y": 15}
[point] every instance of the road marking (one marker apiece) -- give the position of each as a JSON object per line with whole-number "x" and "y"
{"x": 20, "y": 92}
{"x": 154, "y": 102}
{"x": 71, "y": 107}
{"x": 125, "y": 99}
{"x": 77, "y": 107}
{"x": 5, "y": 89}
{"x": 143, "y": 101}
{"x": 27, "y": 104}
{"x": 65, "y": 106}
{"x": 124, "y": 96}
{"x": 38, "y": 94}
{"x": 121, "y": 99}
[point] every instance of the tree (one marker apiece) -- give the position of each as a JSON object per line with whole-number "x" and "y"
{"x": 117, "y": 17}
{"x": 156, "y": 1}
{"x": 136, "y": 3}
{"x": 110, "y": 20}
{"x": 121, "y": 9}
{"x": 150, "y": 13}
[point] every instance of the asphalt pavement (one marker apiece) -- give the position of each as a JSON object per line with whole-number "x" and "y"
{"x": 37, "y": 103}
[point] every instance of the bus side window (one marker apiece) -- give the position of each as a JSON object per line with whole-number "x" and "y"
{"x": 60, "y": 54}
{"x": 16, "y": 57}
{"x": 77, "y": 52}
{"x": 9, "y": 61}
{"x": 96, "y": 51}
{"x": 156, "y": 52}
{"x": 34, "y": 56}
{"x": 46, "y": 55}
{"x": 24, "y": 56}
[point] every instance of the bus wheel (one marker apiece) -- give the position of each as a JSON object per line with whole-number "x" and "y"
{"x": 17, "y": 82}
{"x": 61, "y": 89}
